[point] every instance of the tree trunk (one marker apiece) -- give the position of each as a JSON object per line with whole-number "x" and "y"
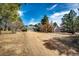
{"x": 0, "y": 31}
{"x": 73, "y": 32}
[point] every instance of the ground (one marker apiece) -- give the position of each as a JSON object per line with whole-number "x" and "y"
{"x": 27, "y": 43}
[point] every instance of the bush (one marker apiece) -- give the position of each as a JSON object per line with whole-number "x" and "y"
{"x": 46, "y": 28}
{"x": 24, "y": 29}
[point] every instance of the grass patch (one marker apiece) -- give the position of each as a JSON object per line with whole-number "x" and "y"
{"x": 65, "y": 45}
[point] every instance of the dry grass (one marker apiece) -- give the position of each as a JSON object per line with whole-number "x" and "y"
{"x": 65, "y": 45}
{"x": 27, "y": 43}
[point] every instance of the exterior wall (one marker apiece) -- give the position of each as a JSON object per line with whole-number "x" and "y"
{"x": 56, "y": 29}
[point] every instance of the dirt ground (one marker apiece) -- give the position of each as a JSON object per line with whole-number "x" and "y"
{"x": 27, "y": 44}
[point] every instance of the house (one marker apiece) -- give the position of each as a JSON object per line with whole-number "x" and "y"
{"x": 31, "y": 28}
{"x": 57, "y": 29}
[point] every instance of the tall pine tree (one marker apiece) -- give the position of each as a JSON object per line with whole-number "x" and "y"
{"x": 68, "y": 22}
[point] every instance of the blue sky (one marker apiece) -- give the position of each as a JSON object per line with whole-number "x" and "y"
{"x": 32, "y": 13}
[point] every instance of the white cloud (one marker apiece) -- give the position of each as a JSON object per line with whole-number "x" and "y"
{"x": 59, "y": 14}
{"x": 75, "y": 5}
{"x": 52, "y": 7}
{"x": 32, "y": 21}
{"x": 56, "y": 17}
{"x": 20, "y": 13}
{"x": 76, "y": 10}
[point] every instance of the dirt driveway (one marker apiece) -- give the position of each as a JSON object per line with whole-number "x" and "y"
{"x": 27, "y": 43}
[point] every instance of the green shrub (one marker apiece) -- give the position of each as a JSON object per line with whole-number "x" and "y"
{"x": 24, "y": 29}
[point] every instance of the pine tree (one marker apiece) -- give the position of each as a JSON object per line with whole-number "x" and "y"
{"x": 9, "y": 15}
{"x": 68, "y": 22}
{"x": 45, "y": 25}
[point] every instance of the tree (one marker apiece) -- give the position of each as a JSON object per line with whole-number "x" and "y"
{"x": 44, "y": 20}
{"x": 55, "y": 24}
{"x": 37, "y": 27}
{"x": 45, "y": 26}
{"x": 68, "y": 22}
{"x": 51, "y": 26}
{"x": 7, "y": 13}
{"x": 0, "y": 25}
{"x": 77, "y": 24}
{"x": 9, "y": 16}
